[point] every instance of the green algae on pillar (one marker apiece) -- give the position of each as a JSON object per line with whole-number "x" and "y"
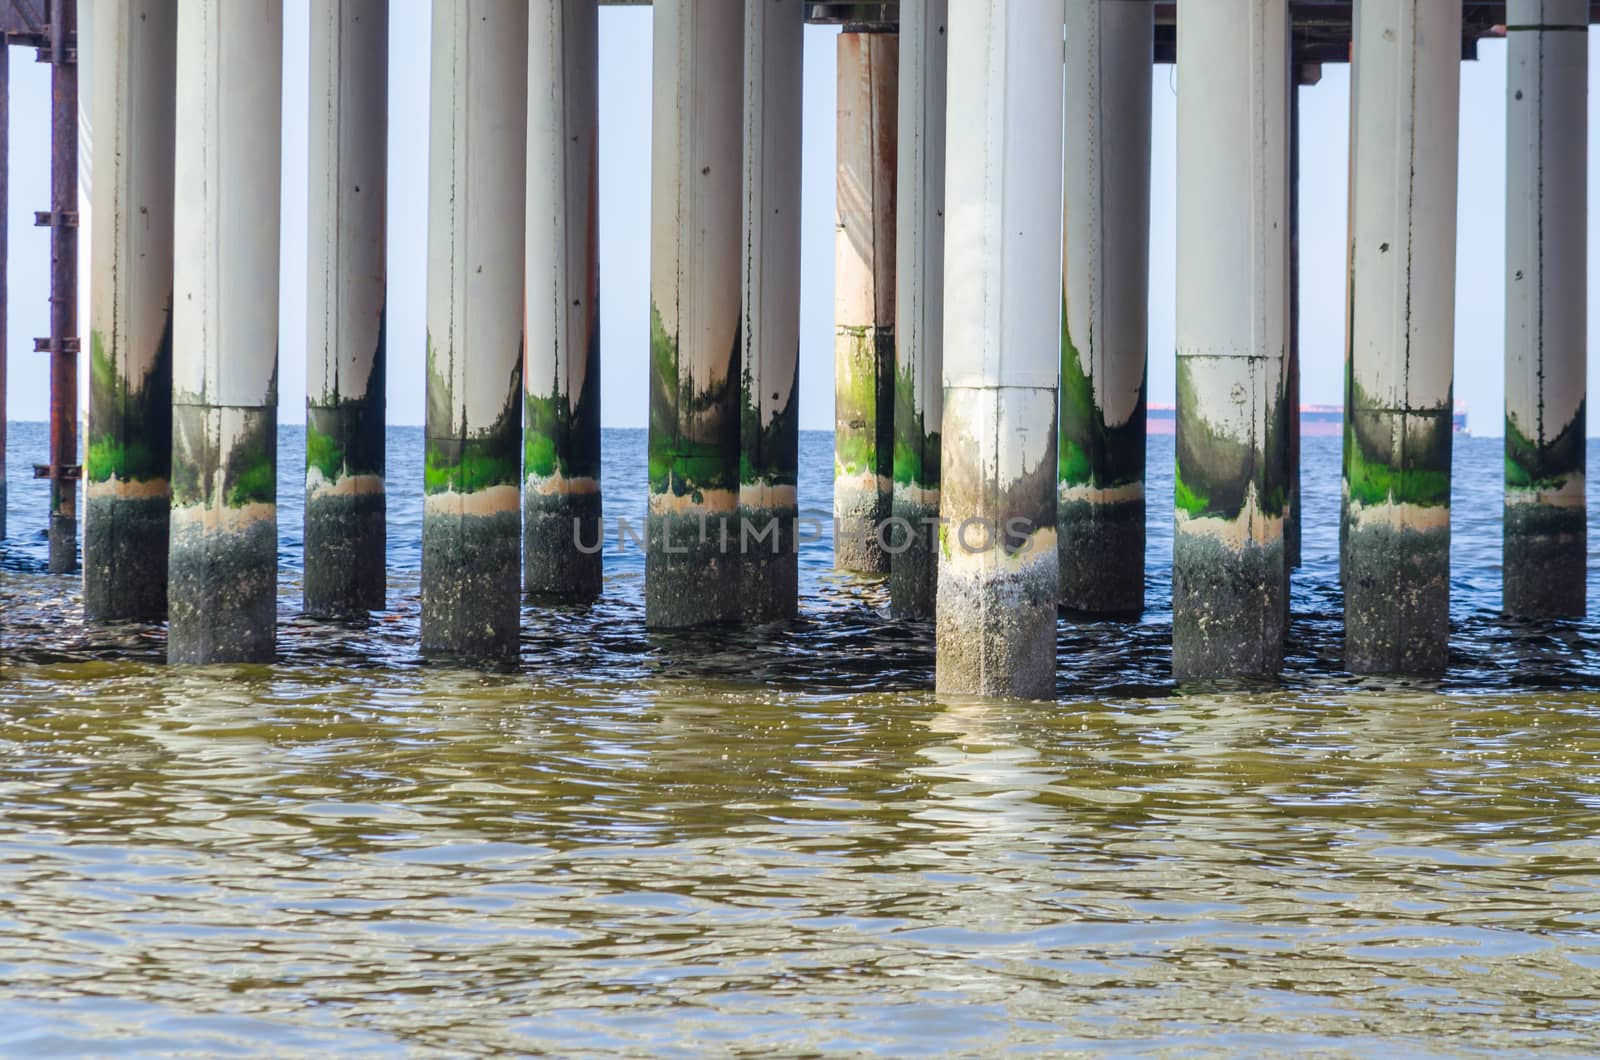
{"x": 1546, "y": 531}
{"x": 769, "y": 429}
{"x": 477, "y": 165}
{"x": 864, "y": 298}
{"x": 1228, "y": 571}
{"x": 1396, "y": 509}
{"x": 561, "y": 505}
{"x": 692, "y": 560}
{"x": 345, "y": 348}
{"x": 127, "y": 500}
{"x": 913, "y": 537}
{"x": 998, "y": 578}
{"x": 1105, "y": 279}
{"x": 223, "y": 556}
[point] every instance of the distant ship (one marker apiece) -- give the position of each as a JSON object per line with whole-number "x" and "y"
{"x": 1315, "y": 420}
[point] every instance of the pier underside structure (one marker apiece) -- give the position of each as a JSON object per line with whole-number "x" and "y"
{"x": 991, "y": 297}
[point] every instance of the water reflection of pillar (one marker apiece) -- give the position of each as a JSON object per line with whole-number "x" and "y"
{"x": 222, "y": 588}
{"x": 1229, "y": 576}
{"x": 477, "y": 191}
{"x": 127, "y": 498}
{"x": 1105, "y": 289}
{"x": 1405, "y": 87}
{"x": 770, "y": 339}
{"x": 1002, "y": 296}
{"x": 1546, "y": 306}
{"x": 692, "y": 557}
{"x": 864, "y": 298}
{"x": 918, "y": 307}
{"x": 345, "y": 355}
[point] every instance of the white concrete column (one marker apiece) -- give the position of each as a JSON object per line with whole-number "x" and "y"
{"x": 1106, "y": 280}
{"x": 919, "y": 307}
{"x": 996, "y": 624}
{"x": 864, "y": 284}
{"x": 1229, "y": 577}
{"x": 477, "y": 194}
{"x": 1405, "y": 97}
{"x": 345, "y": 355}
{"x": 770, "y": 351}
{"x": 692, "y": 558}
{"x": 1547, "y": 96}
{"x": 561, "y": 418}
{"x": 223, "y": 562}
{"x": 129, "y": 453}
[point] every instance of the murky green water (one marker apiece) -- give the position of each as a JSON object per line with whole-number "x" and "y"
{"x": 783, "y": 842}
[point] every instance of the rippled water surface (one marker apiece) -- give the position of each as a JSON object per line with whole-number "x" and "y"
{"x": 781, "y": 840}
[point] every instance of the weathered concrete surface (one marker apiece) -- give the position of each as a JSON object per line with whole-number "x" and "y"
{"x": 222, "y": 560}
{"x": 346, "y": 353}
{"x": 1545, "y": 549}
{"x": 911, "y": 538}
{"x": 1398, "y": 585}
{"x": 1396, "y": 521}
{"x": 473, "y": 445}
{"x": 561, "y": 543}
{"x": 694, "y": 562}
{"x": 998, "y": 562}
{"x": 769, "y": 426}
{"x": 224, "y": 588}
{"x": 1105, "y": 286}
{"x": 561, "y": 415}
{"x": 223, "y": 555}
{"x": 769, "y": 580}
{"x": 345, "y": 527}
{"x": 125, "y": 553}
{"x": 1227, "y": 603}
{"x": 864, "y": 297}
{"x": 1102, "y": 572}
{"x": 345, "y": 513}
{"x": 1545, "y": 539}
{"x": 998, "y": 580}
{"x": 129, "y": 427}
{"x": 919, "y": 308}
{"x": 695, "y": 305}
{"x": 1229, "y": 575}
{"x": 470, "y": 579}
{"x": 1396, "y": 532}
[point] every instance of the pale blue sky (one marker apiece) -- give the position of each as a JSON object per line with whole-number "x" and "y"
{"x": 624, "y": 225}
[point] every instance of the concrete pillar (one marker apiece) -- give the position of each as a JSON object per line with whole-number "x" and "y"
{"x": 127, "y": 499}
{"x": 770, "y": 340}
{"x": 863, "y": 282}
{"x": 1546, "y": 306}
{"x": 5, "y": 244}
{"x": 692, "y": 557}
{"x": 1106, "y": 283}
{"x": 918, "y": 308}
{"x": 561, "y": 427}
{"x": 345, "y": 356}
{"x": 1291, "y": 504}
{"x": 1228, "y": 576}
{"x": 996, "y": 625}
{"x": 222, "y": 588}
{"x": 477, "y": 194}
{"x": 1406, "y": 86}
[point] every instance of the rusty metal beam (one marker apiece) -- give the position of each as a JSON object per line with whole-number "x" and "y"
{"x": 1322, "y": 28}
{"x": 62, "y": 219}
